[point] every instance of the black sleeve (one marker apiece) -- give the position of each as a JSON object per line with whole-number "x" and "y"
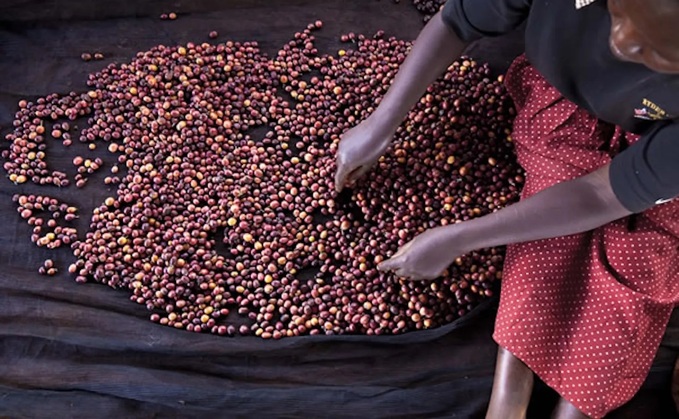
{"x": 474, "y": 19}
{"x": 647, "y": 173}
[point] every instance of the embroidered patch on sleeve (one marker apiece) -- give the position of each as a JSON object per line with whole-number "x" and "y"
{"x": 650, "y": 111}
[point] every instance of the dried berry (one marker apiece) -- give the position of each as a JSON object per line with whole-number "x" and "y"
{"x": 221, "y": 142}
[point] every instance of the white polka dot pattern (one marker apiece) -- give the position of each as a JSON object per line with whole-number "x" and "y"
{"x": 585, "y": 312}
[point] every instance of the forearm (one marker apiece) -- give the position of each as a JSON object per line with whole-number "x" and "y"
{"x": 567, "y": 208}
{"x": 434, "y": 50}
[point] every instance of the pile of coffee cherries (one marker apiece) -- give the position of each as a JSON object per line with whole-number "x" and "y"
{"x": 222, "y": 216}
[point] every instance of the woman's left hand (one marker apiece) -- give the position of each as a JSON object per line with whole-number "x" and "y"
{"x": 428, "y": 255}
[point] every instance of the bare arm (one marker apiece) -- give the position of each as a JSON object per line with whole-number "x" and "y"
{"x": 435, "y": 49}
{"x": 571, "y": 207}
{"x": 567, "y": 208}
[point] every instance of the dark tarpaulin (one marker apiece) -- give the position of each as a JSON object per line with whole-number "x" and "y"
{"x": 69, "y": 350}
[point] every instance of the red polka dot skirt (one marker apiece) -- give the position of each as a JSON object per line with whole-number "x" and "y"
{"x": 585, "y": 312}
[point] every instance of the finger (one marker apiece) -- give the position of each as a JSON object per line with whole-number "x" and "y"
{"x": 385, "y": 266}
{"x": 357, "y": 174}
{"x": 402, "y": 250}
{"x": 390, "y": 264}
{"x": 340, "y": 174}
{"x": 402, "y": 273}
{"x": 423, "y": 277}
{"x": 353, "y": 176}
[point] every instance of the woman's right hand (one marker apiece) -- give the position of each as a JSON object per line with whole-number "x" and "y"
{"x": 359, "y": 149}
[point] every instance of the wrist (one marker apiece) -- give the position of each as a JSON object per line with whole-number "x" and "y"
{"x": 385, "y": 120}
{"x": 462, "y": 236}
{"x": 381, "y": 131}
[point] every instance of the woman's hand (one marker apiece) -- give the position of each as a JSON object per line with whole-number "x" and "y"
{"x": 570, "y": 207}
{"x": 435, "y": 48}
{"x": 428, "y": 255}
{"x": 359, "y": 150}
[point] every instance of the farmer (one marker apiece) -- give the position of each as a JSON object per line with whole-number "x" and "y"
{"x": 592, "y": 266}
